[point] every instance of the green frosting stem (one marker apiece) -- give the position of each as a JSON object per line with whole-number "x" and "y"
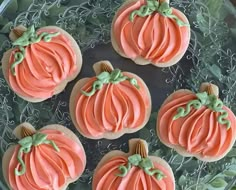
{"x": 177, "y": 20}
{"x": 47, "y": 37}
{"x": 26, "y": 145}
{"x": 124, "y": 170}
{"x": 134, "y": 82}
{"x": 215, "y": 103}
{"x": 18, "y": 57}
{"x": 222, "y": 119}
{"x": 154, "y": 6}
{"x": 159, "y": 174}
{"x": 184, "y": 112}
{"x": 53, "y": 144}
{"x": 23, "y": 169}
{"x": 143, "y": 163}
{"x": 97, "y": 85}
{"x": 29, "y": 37}
{"x": 105, "y": 77}
{"x": 211, "y": 101}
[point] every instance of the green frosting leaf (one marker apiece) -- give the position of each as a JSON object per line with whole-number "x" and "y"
{"x": 39, "y": 138}
{"x": 25, "y": 142}
{"x": 105, "y": 77}
{"x": 115, "y": 74}
{"x": 211, "y": 101}
{"x": 146, "y": 163}
{"x": 135, "y": 159}
{"x": 154, "y": 6}
{"x": 203, "y": 97}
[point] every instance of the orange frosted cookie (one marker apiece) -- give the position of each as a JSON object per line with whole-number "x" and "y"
{"x": 50, "y": 158}
{"x": 110, "y": 104}
{"x": 198, "y": 124}
{"x": 132, "y": 171}
{"x": 150, "y": 31}
{"x": 41, "y": 62}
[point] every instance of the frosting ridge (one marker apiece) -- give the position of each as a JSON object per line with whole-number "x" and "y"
{"x": 156, "y": 38}
{"x": 136, "y": 179}
{"x": 45, "y": 167}
{"x": 200, "y": 133}
{"x": 45, "y": 66}
{"x": 113, "y": 108}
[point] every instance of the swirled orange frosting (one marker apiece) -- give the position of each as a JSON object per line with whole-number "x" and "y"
{"x": 45, "y": 168}
{"x": 106, "y": 177}
{"x": 45, "y": 66}
{"x": 198, "y": 133}
{"x": 113, "y": 108}
{"x": 155, "y": 38}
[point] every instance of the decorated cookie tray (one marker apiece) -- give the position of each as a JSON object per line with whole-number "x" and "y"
{"x": 210, "y": 57}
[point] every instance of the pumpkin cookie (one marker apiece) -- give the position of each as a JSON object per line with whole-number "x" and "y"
{"x": 50, "y": 158}
{"x": 150, "y": 31}
{"x": 110, "y": 104}
{"x": 133, "y": 170}
{"x": 41, "y": 62}
{"x": 197, "y": 124}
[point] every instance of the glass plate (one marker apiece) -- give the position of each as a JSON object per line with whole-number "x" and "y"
{"x": 210, "y": 57}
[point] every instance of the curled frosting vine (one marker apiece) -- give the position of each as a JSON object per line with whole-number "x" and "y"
{"x": 29, "y": 37}
{"x": 144, "y": 163}
{"x": 105, "y": 77}
{"x": 26, "y": 145}
{"x": 156, "y": 6}
{"x": 211, "y": 101}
